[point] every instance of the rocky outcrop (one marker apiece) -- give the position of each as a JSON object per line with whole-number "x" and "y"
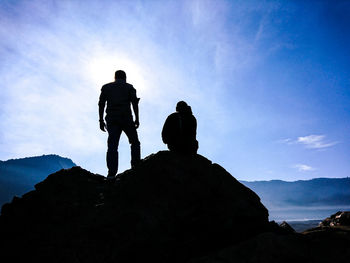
{"x": 338, "y": 219}
{"x": 169, "y": 209}
{"x": 320, "y": 245}
{"x": 287, "y": 227}
{"x": 270, "y": 247}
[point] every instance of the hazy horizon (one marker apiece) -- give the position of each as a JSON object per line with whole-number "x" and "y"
{"x": 268, "y": 81}
{"x": 252, "y": 181}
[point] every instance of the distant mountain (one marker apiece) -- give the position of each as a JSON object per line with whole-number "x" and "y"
{"x": 18, "y": 176}
{"x": 315, "y": 192}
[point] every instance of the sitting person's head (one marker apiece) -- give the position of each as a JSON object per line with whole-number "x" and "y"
{"x": 120, "y": 74}
{"x": 183, "y": 108}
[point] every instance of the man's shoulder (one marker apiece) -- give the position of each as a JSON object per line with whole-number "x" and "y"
{"x": 115, "y": 83}
{"x": 129, "y": 85}
{"x": 108, "y": 85}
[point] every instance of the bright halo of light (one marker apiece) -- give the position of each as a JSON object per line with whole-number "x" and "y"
{"x": 101, "y": 70}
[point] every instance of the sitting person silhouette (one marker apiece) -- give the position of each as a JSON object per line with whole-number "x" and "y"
{"x": 179, "y": 130}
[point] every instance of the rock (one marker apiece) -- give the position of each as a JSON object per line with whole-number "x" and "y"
{"x": 169, "y": 209}
{"x": 343, "y": 219}
{"x": 281, "y": 244}
{"x": 338, "y": 219}
{"x": 287, "y": 227}
{"x": 269, "y": 247}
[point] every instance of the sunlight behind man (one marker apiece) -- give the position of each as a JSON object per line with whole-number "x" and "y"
{"x": 101, "y": 70}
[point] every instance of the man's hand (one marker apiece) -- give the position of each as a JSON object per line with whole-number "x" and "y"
{"x": 137, "y": 123}
{"x": 102, "y": 126}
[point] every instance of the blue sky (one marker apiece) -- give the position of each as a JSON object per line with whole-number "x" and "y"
{"x": 268, "y": 81}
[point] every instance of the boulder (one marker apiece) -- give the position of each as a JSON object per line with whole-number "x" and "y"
{"x": 287, "y": 227}
{"x": 340, "y": 218}
{"x": 170, "y": 208}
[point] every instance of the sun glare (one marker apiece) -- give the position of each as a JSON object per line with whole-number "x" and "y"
{"x": 101, "y": 71}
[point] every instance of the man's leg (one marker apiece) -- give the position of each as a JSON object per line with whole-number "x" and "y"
{"x": 114, "y": 131}
{"x": 131, "y": 132}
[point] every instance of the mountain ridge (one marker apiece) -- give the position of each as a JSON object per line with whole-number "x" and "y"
{"x": 280, "y": 180}
{"x": 50, "y": 155}
{"x": 313, "y": 192}
{"x": 18, "y": 176}
{"x": 22, "y": 174}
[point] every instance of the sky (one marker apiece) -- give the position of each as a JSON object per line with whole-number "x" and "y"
{"x": 268, "y": 81}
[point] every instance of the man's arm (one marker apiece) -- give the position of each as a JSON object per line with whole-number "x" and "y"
{"x": 101, "y": 109}
{"x": 135, "y": 107}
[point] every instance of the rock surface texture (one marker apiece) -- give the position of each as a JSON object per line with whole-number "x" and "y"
{"x": 169, "y": 209}
{"x": 338, "y": 219}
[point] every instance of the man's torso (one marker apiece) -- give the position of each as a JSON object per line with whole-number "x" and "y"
{"x": 118, "y": 96}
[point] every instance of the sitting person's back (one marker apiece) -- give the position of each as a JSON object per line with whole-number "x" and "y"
{"x": 180, "y": 129}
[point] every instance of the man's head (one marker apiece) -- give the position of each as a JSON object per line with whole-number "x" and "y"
{"x": 120, "y": 74}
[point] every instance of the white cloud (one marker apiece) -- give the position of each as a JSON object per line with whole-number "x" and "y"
{"x": 286, "y": 141}
{"x": 311, "y": 141}
{"x": 315, "y": 141}
{"x": 303, "y": 168}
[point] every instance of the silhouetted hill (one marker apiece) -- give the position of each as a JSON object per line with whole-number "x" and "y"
{"x": 169, "y": 209}
{"x": 18, "y": 176}
{"x": 315, "y": 192}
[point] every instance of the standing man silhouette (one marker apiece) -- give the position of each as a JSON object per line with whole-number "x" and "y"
{"x": 118, "y": 95}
